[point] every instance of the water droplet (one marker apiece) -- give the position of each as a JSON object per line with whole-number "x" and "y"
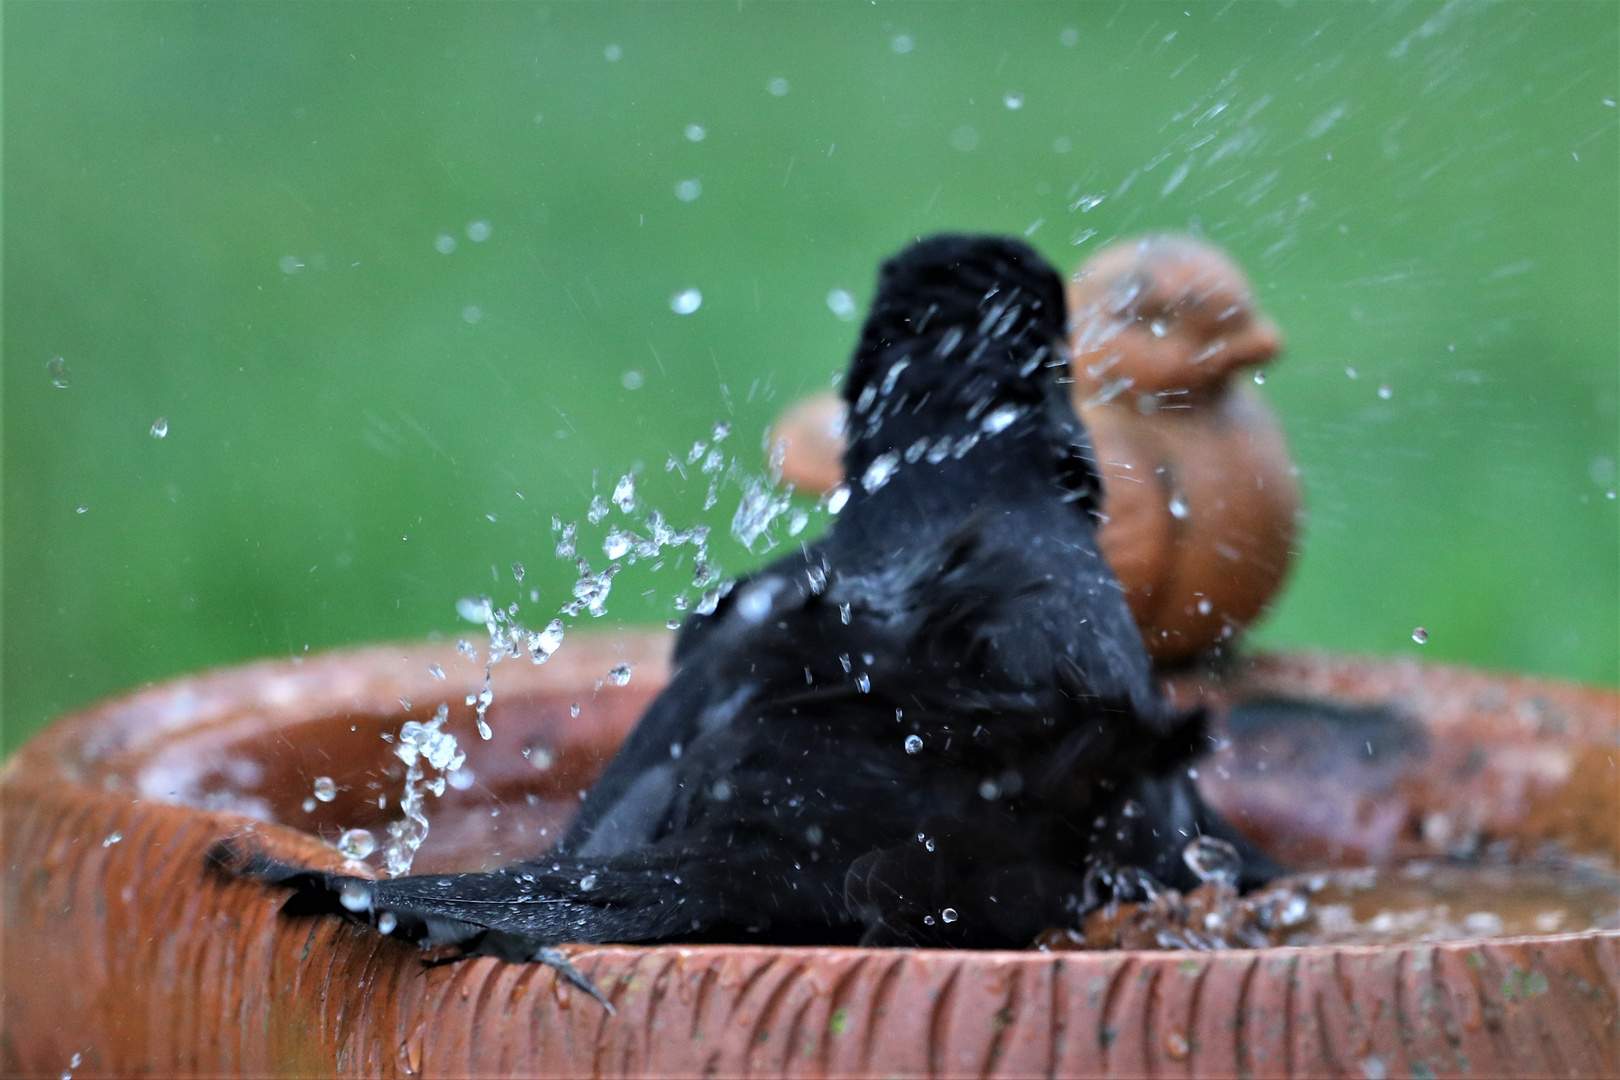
{"x": 573, "y": 710}
{"x": 948, "y": 915}
{"x": 841, "y": 304}
{"x": 357, "y": 843}
{"x": 999, "y": 419}
{"x": 1420, "y": 635}
{"x": 444, "y": 243}
{"x": 1178, "y": 507}
{"x": 1013, "y": 101}
{"x": 598, "y": 510}
{"x": 1087, "y": 203}
{"x": 613, "y": 53}
{"x": 56, "y": 367}
{"x": 1259, "y": 378}
{"x": 309, "y": 806}
{"x": 472, "y": 314}
{"x": 964, "y": 138}
{"x": 616, "y": 544}
{"x": 619, "y": 674}
{"x": 386, "y": 923}
{"x": 325, "y": 788}
{"x": 355, "y": 896}
{"x": 587, "y": 883}
{"x": 517, "y": 572}
{"x": 688, "y": 190}
{"x": 882, "y": 468}
{"x": 1213, "y": 860}
{"x": 686, "y": 301}
{"x": 1131, "y": 809}
{"x": 863, "y": 683}
{"x": 624, "y": 493}
{"x": 1351, "y": 373}
{"x": 928, "y": 920}
{"x": 436, "y": 671}
{"x": 777, "y": 86}
{"x": 1386, "y": 392}
{"x": 901, "y": 44}
{"x": 836, "y": 498}
{"x": 989, "y": 789}
{"x": 914, "y": 744}
{"x": 1069, "y": 37}
{"x": 478, "y": 231}
{"x": 1204, "y": 606}
{"x": 290, "y": 264}
{"x": 540, "y": 757}
{"x": 160, "y": 428}
{"x": 461, "y": 779}
{"x": 112, "y": 838}
{"x": 696, "y": 132}
{"x": 84, "y": 508}
{"x": 485, "y": 732}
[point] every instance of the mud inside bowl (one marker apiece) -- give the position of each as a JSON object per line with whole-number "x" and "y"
{"x": 125, "y": 949}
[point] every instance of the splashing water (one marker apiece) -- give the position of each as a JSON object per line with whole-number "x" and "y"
{"x": 418, "y": 744}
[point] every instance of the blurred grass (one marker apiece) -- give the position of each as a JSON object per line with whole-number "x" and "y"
{"x": 1428, "y": 194}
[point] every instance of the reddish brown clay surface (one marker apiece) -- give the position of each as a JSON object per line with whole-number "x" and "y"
{"x": 126, "y": 956}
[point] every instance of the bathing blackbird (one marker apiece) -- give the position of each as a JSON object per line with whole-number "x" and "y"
{"x": 932, "y": 727}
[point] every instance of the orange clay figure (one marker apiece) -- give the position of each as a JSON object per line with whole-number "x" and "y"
{"x": 1201, "y": 494}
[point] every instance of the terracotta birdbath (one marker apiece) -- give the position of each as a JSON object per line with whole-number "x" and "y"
{"x": 126, "y": 954}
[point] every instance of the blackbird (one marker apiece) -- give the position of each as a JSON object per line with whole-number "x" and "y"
{"x": 935, "y": 726}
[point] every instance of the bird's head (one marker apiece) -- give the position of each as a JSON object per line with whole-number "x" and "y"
{"x": 1165, "y": 313}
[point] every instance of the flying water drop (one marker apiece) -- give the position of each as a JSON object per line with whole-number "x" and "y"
{"x": 1213, "y": 860}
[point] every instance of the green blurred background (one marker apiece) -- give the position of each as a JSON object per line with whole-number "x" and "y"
{"x": 231, "y": 216}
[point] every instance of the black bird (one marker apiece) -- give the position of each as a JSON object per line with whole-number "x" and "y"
{"x": 935, "y": 726}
